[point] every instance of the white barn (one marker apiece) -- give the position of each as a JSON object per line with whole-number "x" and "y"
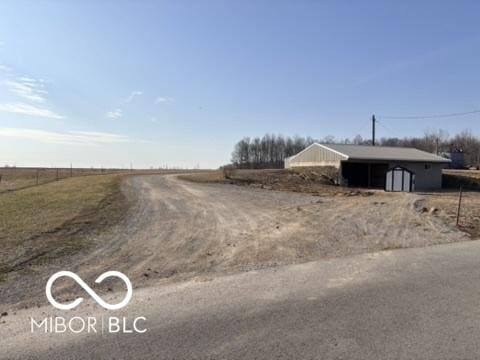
{"x": 376, "y": 166}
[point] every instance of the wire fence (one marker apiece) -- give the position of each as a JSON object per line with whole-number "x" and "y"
{"x": 12, "y": 178}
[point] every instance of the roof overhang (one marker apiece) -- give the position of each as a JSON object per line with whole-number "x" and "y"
{"x": 352, "y": 159}
{"x": 320, "y": 145}
{"x": 349, "y": 158}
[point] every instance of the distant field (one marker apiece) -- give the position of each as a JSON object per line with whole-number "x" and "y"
{"x": 474, "y": 174}
{"x": 16, "y": 178}
{"x": 468, "y": 179}
{"x": 470, "y": 173}
{"x": 19, "y": 178}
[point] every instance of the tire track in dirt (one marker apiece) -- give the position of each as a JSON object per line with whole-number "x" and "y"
{"x": 178, "y": 230}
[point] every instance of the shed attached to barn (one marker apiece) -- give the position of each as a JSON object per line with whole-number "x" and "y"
{"x": 376, "y": 166}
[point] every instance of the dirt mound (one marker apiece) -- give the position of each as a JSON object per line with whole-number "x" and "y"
{"x": 320, "y": 180}
{"x": 312, "y": 180}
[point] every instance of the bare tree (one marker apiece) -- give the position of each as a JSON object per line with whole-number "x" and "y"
{"x": 271, "y": 150}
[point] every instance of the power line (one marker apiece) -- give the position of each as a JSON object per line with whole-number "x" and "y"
{"x": 365, "y": 125}
{"x": 419, "y": 117}
{"x": 414, "y": 117}
{"x": 393, "y": 132}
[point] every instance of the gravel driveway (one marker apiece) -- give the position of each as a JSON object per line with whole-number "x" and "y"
{"x": 179, "y": 230}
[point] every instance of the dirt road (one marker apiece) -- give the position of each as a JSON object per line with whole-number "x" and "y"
{"x": 179, "y": 230}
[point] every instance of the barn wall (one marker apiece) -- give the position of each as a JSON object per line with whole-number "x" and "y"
{"x": 315, "y": 156}
{"x": 430, "y": 179}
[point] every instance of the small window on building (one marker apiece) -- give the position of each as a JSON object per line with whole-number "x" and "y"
{"x": 428, "y": 166}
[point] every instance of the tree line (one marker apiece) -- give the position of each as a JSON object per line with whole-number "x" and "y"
{"x": 270, "y": 150}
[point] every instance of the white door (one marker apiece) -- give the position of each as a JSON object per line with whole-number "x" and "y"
{"x": 399, "y": 179}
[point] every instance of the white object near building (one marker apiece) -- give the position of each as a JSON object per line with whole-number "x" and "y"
{"x": 399, "y": 179}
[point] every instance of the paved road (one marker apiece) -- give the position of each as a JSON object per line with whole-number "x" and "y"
{"x": 400, "y": 304}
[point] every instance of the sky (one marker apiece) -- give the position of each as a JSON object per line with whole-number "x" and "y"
{"x": 178, "y": 83}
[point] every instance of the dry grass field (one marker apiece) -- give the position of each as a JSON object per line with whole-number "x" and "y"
{"x": 444, "y": 204}
{"x": 467, "y": 173}
{"x": 43, "y": 222}
{"x": 468, "y": 179}
{"x": 12, "y": 178}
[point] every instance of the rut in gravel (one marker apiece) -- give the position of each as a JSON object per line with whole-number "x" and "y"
{"x": 178, "y": 230}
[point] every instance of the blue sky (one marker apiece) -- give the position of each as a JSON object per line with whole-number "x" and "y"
{"x": 110, "y": 83}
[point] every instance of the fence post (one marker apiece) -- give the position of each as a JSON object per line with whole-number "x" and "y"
{"x": 56, "y": 174}
{"x": 36, "y": 175}
{"x": 459, "y": 205}
{"x": 0, "y": 178}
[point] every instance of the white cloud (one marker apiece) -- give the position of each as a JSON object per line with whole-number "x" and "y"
{"x": 30, "y": 110}
{"x": 98, "y": 137}
{"x": 69, "y": 137}
{"x": 5, "y": 68}
{"x": 115, "y": 114}
{"x": 27, "y": 88}
{"x": 132, "y": 95}
{"x": 118, "y": 113}
{"x": 30, "y": 91}
{"x": 162, "y": 99}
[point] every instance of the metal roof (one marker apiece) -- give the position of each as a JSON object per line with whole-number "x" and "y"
{"x": 387, "y": 153}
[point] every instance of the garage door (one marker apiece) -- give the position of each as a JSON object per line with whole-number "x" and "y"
{"x": 399, "y": 179}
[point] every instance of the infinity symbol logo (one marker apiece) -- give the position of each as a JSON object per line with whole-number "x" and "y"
{"x": 88, "y": 289}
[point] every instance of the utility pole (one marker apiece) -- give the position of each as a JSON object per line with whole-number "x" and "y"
{"x": 373, "y": 129}
{"x": 436, "y": 145}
